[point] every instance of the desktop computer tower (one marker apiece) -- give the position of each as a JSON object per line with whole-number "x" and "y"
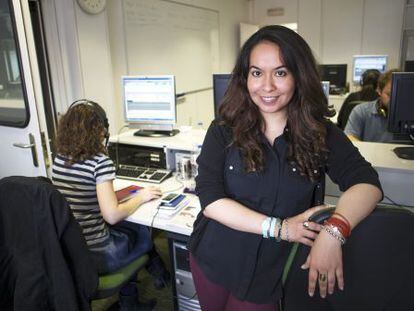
{"x": 185, "y": 292}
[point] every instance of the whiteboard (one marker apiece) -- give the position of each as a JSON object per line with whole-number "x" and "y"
{"x": 164, "y": 37}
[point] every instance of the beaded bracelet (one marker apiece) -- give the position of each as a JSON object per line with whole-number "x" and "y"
{"x": 286, "y": 229}
{"x": 333, "y": 231}
{"x": 279, "y": 230}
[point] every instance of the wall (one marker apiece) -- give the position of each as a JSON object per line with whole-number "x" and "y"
{"x": 196, "y": 108}
{"x": 88, "y": 55}
{"x": 336, "y": 29}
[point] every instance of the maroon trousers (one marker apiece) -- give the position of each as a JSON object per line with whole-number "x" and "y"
{"x": 213, "y": 297}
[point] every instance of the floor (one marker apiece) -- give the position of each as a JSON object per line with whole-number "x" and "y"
{"x": 146, "y": 288}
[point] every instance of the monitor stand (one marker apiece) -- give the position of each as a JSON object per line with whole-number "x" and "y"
{"x": 155, "y": 133}
{"x": 406, "y": 153}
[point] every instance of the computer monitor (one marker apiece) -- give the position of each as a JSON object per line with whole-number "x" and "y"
{"x": 401, "y": 110}
{"x": 409, "y": 66}
{"x": 336, "y": 75}
{"x": 149, "y": 104}
{"x": 365, "y": 62}
{"x": 220, "y": 84}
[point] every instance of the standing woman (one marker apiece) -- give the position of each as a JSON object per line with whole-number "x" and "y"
{"x": 260, "y": 169}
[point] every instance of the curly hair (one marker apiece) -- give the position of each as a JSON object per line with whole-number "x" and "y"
{"x": 385, "y": 78}
{"x": 80, "y": 134}
{"x": 307, "y": 110}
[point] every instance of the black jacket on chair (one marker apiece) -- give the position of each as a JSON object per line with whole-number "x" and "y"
{"x": 44, "y": 259}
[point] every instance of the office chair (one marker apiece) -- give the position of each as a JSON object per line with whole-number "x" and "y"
{"x": 378, "y": 263}
{"x": 44, "y": 259}
{"x": 345, "y": 111}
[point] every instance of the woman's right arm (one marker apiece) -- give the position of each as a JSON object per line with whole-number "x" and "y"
{"x": 112, "y": 212}
{"x": 237, "y": 216}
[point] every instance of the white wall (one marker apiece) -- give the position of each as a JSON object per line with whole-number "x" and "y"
{"x": 87, "y": 55}
{"x": 337, "y": 29}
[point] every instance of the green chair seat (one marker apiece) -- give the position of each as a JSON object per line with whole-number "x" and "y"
{"x": 110, "y": 284}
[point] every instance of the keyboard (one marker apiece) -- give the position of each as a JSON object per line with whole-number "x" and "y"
{"x": 139, "y": 173}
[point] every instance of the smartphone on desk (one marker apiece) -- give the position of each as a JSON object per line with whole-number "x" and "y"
{"x": 168, "y": 198}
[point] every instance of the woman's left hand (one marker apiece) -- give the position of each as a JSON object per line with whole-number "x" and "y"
{"x": 325, "y": 265}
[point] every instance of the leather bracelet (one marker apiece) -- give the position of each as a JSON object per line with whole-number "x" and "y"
{"x": 343, "y": 218}
{"x": 342, "y": 226}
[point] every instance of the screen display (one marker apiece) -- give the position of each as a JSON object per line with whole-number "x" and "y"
{"x": 220, "y": 84}
{"x": 365, "y": 62}
{"x": 335, "y": 74}
{"x": 401, "y": 110}
{"x": 149, "y": 99}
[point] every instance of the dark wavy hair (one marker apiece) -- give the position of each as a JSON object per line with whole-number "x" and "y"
{"x": 80, "y": 134}
{"x": 306, "y": 111}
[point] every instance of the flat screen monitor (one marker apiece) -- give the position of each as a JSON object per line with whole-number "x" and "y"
{"x": 220, "y": 84}
{"x": 401, "y": 110}
{"x": 365, "y": 62}
{"x": 409, "y": 66}
{"x": 336, "y": 75}
{"x": 149, "y": 104}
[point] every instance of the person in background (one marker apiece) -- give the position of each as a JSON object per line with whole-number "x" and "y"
{"x": 84, "y": 174}
{"x": 260, "y": 167}
{"x": 368, "y": 92}
{"x": 369, "y": 121}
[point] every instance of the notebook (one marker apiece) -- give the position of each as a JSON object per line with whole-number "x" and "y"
{"x": 126, "y": 193}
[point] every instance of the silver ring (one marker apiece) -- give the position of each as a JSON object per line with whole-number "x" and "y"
{"x": 306, "y": 224}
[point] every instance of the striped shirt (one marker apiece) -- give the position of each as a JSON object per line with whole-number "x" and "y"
{"x": 77, "y": 182}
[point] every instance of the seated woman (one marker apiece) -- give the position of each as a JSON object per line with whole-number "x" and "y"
{"x": 84, "y": 174}
{"x": 368, "y": 92}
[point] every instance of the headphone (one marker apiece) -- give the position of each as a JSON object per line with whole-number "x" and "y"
{"x": 98, "y": 110}
{"x": 381, "y": 110}
{"x": 370, "y": 76}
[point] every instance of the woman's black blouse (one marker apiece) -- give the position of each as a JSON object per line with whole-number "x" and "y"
{"x": 247, "y": 264}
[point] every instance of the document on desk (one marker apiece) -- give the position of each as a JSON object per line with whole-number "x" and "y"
{"x": 184, "y": 220}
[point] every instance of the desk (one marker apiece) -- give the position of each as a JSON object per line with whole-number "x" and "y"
{"x": 177, "y": 233}
{"x": 336, "y": 101}
{"x": 396, "y": 175}
{"x": 144, "y": 215}
{"x": 188, "y": 140}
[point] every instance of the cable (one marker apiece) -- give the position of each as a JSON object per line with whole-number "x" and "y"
{"x": 153, "y": 218}
{"x": 175, "y": 189}
{"x": 117, "y": 146}
{"x": 392, "y": 201}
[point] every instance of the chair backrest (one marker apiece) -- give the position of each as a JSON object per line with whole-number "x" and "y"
{"x": 345, "y": 111}
{"x": 378, "y": 261}
{"x": 44, "y": 258}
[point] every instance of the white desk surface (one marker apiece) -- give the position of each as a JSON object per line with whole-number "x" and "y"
{"x": 147, "y": 214}
{"x": 189, "y": 140}
{"x": 382, "y": 156}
